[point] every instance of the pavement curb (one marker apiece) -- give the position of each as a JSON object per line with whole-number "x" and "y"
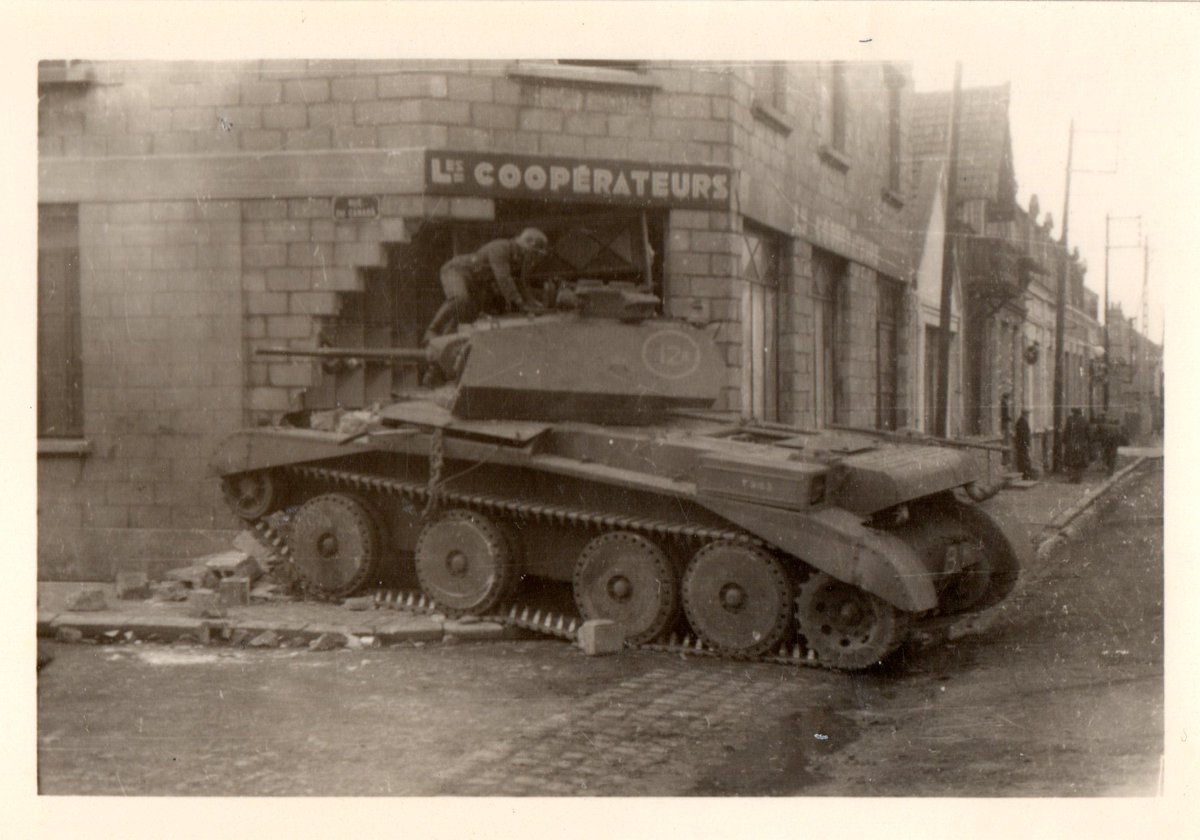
{"x": 115, "y": 625}
{"x": 1066, "y": 526}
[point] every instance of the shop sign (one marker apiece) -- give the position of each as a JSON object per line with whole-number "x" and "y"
{"x": 577, "y": 179}
{"x": 356, "y": 207}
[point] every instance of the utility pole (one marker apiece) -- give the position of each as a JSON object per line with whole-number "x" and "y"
{"x": 943, "y": 381}
{"x": 1108, "y": 368}
{"x": 1107, "y": 355}
{"x": 1060, "y": 313}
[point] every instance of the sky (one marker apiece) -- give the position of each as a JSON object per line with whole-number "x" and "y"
{"x": 1130, "y": 155}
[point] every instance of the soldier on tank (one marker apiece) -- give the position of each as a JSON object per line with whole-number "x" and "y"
{"x": 490, "y": 280}
{"x": 1075, "y": 445}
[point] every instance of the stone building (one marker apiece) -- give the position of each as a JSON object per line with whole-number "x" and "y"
{"x": 191, "y": 213}
{"x": 1135, "y": 396}
{"x": 1009, "y": 263}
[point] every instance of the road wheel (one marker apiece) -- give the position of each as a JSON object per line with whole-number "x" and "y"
{"x": 737, "y": 598}
{"x": 252, "y": 495}
{"x": 847, "y": 627}
{"x": 335, "y": 543}
{"x": 625, "y": 578}
{"x": 464, "y": 562}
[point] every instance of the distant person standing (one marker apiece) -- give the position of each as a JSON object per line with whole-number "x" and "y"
{"x": 1112, "y": 438}
{"x": 1006, "y": 422}
{"x": 1021, "y": 440}
{"x": 1075, "y": 445}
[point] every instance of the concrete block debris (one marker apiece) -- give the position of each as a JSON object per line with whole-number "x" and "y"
{"x": 600, "y": 636}
{"x": 196, "y": 575}
{"x": 248, "y": 544}
{"x": 268, "y": 638}
{"x": 169, "y": 590}
{"x": 205, "y": 603}
{"x": 133, "y": 586}
{"x": 328, "y": 641}
{"x": 270, "y": 592}
{"x": 365, "y": 602}
{"x": 234, "y": 591}
{"x": 87, "y": 600}
{"x": 234, "y": 563}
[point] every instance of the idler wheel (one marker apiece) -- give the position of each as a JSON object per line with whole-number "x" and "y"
{"x": 464, "y": 562}
{"x": 737, "y": 598}
{"x": 335, "y": 543}
{"x": 847, "y": 627}
{"x": 252, "y": 495}
{"x": 625, "y": 578}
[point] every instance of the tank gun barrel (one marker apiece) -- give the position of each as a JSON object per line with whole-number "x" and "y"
{"x": 396, "y": 354}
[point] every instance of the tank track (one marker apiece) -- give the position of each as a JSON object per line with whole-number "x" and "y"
{"x": 497, "y": 505}
{"x": 516, "y": 615}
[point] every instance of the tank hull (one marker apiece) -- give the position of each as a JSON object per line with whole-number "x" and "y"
{"x": 826, "y": 507}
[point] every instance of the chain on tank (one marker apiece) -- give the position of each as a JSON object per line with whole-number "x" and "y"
{"x": 515, "y": 614}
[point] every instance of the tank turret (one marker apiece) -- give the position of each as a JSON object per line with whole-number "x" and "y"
{"x": 604, "y": 357}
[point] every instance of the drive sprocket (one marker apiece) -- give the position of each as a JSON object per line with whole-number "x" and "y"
{"x": 847, "y": 627}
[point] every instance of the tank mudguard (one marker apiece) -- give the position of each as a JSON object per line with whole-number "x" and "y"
{"x": 836, "y": 542}
{"x": 260, "y": 449}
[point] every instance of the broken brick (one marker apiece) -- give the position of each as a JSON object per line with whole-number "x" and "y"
{"x": 133, "y": 586}
{"x": 600, "y": 636}
{"x": 87, "y": 600}
{"x": 247, "y": 543}
{"x": 268, "y": 638}
{"x": 170, "y": 590}
{"x": 234, "y": 564}
{"x": 197, "y": 577}
{"x": 328, "y": 641}
{"x": 234, "y": 591}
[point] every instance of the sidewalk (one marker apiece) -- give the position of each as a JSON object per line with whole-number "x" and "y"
{"x": 1044, "y": 515}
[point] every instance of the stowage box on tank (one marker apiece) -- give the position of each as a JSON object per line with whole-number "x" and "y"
{"x": 580, "y": 447}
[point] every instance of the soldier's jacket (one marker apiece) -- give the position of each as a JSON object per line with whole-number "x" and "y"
{"x": 500, "y": 260}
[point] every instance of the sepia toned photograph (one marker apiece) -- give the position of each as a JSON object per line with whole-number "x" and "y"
{"x": 593, "y": 425}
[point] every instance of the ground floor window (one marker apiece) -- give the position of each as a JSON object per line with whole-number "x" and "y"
{"x": 60, "y": 368}
{"x": 889, "y": 303}
{"x": 829, "y": 293}
{"x": 760, "y": 279}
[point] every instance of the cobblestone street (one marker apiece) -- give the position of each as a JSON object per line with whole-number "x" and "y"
{"x": 1059, "y": 693}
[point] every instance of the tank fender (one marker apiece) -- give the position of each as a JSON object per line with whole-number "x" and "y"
{"x": 259, "y": 449}
{"x": 1009, "y": 551}
{"x": 839, "y": 544}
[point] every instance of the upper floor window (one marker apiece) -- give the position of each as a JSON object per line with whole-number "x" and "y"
{"x": 837, "y": 107}
{"x": 59, "y": 372}
{"x": 770, "y": 95}
{"x": 894, "y": 83}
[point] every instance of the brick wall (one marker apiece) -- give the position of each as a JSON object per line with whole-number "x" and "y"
{"x": 160, "y": 292}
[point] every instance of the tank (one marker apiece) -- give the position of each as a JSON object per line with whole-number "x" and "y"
{"x": 581, "y": 446}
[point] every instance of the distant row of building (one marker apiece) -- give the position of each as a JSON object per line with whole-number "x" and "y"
{"x": 190, "y": 213}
